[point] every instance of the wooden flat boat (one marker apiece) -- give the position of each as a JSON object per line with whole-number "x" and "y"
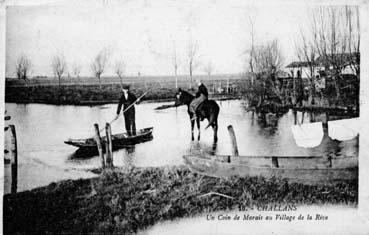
{"x": 299, "y": 169}
{"x": 120, "y": 140}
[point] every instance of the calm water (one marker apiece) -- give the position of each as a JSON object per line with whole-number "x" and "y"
{"x": 44, "y": 158}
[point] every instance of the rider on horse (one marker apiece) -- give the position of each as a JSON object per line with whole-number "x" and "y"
{"x": 201, "y": 96}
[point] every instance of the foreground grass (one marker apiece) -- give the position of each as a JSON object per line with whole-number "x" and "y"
{"x": 118, "y": 202}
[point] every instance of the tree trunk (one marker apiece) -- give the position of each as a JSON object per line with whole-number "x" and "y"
{"x": 338, "y": 93}
{"x": 175, "y": 74}
{"x": 312, "y": 91}
{"x": 190, "y": 76}
{"x": 59, "y": 91}
{"x": 99, "y": 82}
{"x": 294, "y": 91}
{"x": 121, "y": 82}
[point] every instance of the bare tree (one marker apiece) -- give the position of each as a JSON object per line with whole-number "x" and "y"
{"x": 267, "y": 61}
{"x": 208, "y": 69}
{"x": 308, "y": 55}
{"x": 249, "y": 52}
{"x": 76, "y": 70}
{"x": 119, "y": 69}
{"x": 59, "y": 67}
{"x": 330, "y": 41}
{"x": 267, "y": 58}
{"x": 326, "y": 21}
{"x": 23, "y": 67}
{"x": 98, "y": 65}
{"x": 353, "y": 38}
{"x": 175, "y": 62}
{"x": 252, "y": 45}
{"x": 335, "y": 35}
{"x": 192, "y": 57}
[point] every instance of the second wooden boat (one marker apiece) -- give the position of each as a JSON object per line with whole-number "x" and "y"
{"x": 300, "y": 169}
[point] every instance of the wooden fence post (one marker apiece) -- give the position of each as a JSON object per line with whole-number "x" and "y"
{"x": 312, "y": 116}
{"x": 325, "y": 121}
{"x": 107, "y": 154}
{"x": 14, "y": 159}
{"x": 233, "y": 140}
{"x": 99, "y": 146}
{"x": 108, "y": 146}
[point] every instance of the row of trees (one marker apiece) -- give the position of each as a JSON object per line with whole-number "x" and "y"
{"x": 59, "y": 67}
{"x": 100, "y": 63}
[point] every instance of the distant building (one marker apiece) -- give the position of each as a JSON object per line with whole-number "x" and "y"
{"x": 325, "y": 64}
{"x": 324, "y": 70}
{"x": 304, "y": 67}
{"x": 344, "y": 59}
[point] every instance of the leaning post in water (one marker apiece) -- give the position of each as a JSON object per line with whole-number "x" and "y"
{"x": 99, "y": 146}
{"x": 109, "y": 146}
{"x": 14, "y": 159}
{"x": 233, "y": 140}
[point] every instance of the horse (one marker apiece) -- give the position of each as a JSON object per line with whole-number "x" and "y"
{"x": 209, "y": 109}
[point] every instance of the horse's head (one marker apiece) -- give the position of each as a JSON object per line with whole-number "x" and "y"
{"x": 179, "y": 98}
{"x": 182, "y": 97}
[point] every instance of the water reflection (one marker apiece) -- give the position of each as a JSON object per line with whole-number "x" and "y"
{"x": 197, "y": 147}
{"x": 125, "y": 158}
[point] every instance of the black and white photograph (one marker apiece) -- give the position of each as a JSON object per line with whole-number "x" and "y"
{"x": 184, "y": 117}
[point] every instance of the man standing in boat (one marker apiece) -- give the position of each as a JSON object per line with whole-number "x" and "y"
{"x": 128, "y": 101}
{"x": 201, "y": 95}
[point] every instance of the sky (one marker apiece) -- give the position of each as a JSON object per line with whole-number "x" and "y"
{"x": 144, "y": 33}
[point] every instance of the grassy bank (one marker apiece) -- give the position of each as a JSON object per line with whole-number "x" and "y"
{"x": 79, "y": 94}
{"x": 90, "y": 93}
{"x": 120, "y": 202}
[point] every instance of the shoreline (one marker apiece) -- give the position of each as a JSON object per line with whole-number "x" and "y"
{"x": 104, "y": 102}
{"x": 135, "y": 199}
{"x": 92, "y": 94}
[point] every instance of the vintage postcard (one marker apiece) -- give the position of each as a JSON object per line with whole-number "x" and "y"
{"x": 184, "y": 117}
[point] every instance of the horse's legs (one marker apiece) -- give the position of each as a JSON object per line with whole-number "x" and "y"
{"x": 215, "y": 129}
{"x": 192, "y": 127}
{"x": 198, "y": 128}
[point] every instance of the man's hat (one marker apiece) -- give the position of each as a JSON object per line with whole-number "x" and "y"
{"x": 125, "y": 87}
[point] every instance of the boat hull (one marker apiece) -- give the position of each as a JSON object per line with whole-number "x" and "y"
{"x": 119, "y": 141}
{"x": 306, "y": 170}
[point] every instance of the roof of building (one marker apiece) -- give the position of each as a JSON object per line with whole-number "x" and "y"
{"x": 344, "y": 58}
{"x": 298, "y": 64}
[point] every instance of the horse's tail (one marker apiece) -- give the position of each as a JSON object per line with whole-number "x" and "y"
{"x": 210, "y": 122}
{"x": 213, "y": 117}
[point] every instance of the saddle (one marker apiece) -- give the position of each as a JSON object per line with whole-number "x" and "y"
{"x": 200, "y": 111}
